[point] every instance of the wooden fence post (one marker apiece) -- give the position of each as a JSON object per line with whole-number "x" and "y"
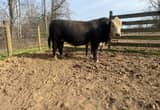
{"x": 8, "y": 37}
{"x": 110, "y": 15}
{"x": 39, "y": 38}
{"x": 110, "y": 18}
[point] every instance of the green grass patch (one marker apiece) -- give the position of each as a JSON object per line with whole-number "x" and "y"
{"x": 22, "y": 52}
{"x": 3, "y": 55}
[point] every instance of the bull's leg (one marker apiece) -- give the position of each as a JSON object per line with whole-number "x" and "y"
{"x": 87, "y": 49}
{"x": 94, "y": 48}
{"x": 95, "y": 55}
{"x": 101, "y": 47}
{"x": 60, "y": 48}
{"x": 109, "y": 44}
{"x": 54, "y": 47}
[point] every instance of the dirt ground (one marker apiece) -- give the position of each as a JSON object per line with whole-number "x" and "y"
{"x": 120, "y": 81}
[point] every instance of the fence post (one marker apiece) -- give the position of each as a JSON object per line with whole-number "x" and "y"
{"x": 8, "y": 37}
{"x": 110, "y": 15}
{"x": 39, "y": 38}
{"x": 110, "y": 18}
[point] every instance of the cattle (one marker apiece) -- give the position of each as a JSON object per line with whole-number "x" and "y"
{"x": 79, "y": 33}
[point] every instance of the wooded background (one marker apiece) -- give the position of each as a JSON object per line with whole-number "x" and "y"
{"x": 21, "y": 14}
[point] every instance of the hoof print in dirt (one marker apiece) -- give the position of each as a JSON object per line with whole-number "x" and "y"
{"x": 62, "y": 105}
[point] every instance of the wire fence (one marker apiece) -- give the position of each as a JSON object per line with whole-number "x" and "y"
{"x": 27, "y": 36}
{"x": 2, "y": 38}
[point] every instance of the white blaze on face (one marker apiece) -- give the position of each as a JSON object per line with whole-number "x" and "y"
{"x": 116, "y": 25}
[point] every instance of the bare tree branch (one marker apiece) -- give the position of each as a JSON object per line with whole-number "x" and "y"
{"x": 59, "y": 5}
{"x": 155, "y": 4}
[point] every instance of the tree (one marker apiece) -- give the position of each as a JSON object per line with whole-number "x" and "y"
{"x": 11, "y": 13}
{"x": 23, "y": 13}
{"x": 18, "y": 11}
{"x": 44, "y": 14}
{"x": 59, "y": 9}
{"x": 155, "y": 4}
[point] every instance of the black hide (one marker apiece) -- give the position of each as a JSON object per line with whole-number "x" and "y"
{"x": 78, "y": 33}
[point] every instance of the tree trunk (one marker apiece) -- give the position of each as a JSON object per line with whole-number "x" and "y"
{"x": 52, "y": 10}
{"x": 11, "y": 11}
{"x": 155, "y": 4}
{"x": 44, "y": 15}
{"x": 18, "y": 19}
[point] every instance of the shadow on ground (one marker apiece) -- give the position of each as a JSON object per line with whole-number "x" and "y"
{"x": 79, "y": 53}
{"x": 69, "y": 53}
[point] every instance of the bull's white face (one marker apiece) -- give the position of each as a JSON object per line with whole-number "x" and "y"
{"x": 116, "y": 25}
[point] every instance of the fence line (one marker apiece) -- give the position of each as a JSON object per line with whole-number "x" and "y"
{"x": 33, "y": 38}
{"x": 39, "y": 38}
{"x": 139, "y": 26}
{"x": 135, "y": 15}
{"x": 8, "y": 37}
{"x": 148, "y": 29}
{"x": 140, "y": 22}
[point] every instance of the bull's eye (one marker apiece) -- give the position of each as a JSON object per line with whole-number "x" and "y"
{"x": 112, "y": 24}
{"x": 113, "y": 27}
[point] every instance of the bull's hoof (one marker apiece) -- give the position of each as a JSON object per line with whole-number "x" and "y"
{"x": 61, "y": 57}
{"x": 96, "y": 60}
{"x": 55, "y": 58}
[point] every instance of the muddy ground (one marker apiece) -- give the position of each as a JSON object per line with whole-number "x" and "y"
{"x": 120, "y": 81}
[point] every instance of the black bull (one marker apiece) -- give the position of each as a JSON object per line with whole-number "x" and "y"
{"x": 79, "y": 33}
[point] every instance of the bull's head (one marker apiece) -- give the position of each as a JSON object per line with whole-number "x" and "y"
{"x": 116, "y": 25}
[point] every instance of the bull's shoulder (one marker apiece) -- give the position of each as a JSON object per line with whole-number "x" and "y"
{"x": 69, "y": 21}
{"x": 99, "y": 20}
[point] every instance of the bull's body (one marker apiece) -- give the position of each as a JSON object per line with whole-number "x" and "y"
{"x": 79, "y": 33}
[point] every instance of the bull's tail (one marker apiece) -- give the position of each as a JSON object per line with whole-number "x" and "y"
{"x": 49, "y": 41}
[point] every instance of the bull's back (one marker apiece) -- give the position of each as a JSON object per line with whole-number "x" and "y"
{"x": 73, "y": 32}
